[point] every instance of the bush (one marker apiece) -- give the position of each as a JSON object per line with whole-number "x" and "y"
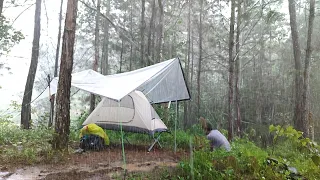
{"x": 291, "y": 157}
{"x": 26, "y": 146}
{"x": 291, "y": 148}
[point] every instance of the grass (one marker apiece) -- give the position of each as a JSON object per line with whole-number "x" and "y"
{"x": 245, "y": 161}
{"x": 24, "y": 146}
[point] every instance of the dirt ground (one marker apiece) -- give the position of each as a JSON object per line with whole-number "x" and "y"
{"x": 105, "y": 164}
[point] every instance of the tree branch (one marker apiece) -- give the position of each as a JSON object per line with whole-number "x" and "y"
{"x": 118, "y": 29}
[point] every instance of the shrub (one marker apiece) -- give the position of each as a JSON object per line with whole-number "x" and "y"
{"x": 21, "y": 145}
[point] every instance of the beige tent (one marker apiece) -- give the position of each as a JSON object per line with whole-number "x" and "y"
{"x": 133, "y": 112}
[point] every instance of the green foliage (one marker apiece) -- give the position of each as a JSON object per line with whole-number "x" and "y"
{"x": 76, "y": 125}
{"x": 8, "y": 36}
{"x": 245, "y": 161}
{"x": 291, "y": 148}
{"x": 25, "y": 146}
{"x": 248, "y": 161}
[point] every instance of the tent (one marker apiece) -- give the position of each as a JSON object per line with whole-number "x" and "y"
{"x": 133, "y": 112}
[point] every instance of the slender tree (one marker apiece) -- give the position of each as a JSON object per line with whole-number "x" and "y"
{"x": 297, "y": 119}
{"x": 306, "y": 75}
{"x": 142, "y": 29}
{"x": 105, "y": 46}
{"x": 200, "y": 59}
{"x": 131, "y": 34}
{"x": 160, "y": 31}
{"x": 187, "y": 66}
{"x": 26, "y": 102}
{"x": 56, "y": 64}
{"x": 62, "y": 125}
{"x": 237, "y": 69}
{"x": 1, "y": 6}
{"x": 121, "y": 55}
{"x": 151, "y": 29}
{"x": 231, "y": 71}
{"x": 96, "y": 52}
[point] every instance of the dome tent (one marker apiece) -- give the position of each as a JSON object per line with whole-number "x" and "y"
{"x": 133, "y": 112}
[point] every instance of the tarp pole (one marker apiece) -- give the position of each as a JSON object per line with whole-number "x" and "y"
{"x": 175, "y": 128}
{"x": 122, "y": 144}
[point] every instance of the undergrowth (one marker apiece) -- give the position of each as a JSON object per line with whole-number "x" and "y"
{"x": 290, "y": 155}
{"x": 24, "y": 146}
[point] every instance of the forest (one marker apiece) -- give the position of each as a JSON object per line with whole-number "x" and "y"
{"x": 250, "y": 67}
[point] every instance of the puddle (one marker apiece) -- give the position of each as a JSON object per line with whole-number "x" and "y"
{"x": 99, "y": 172}
{"x": 23, "y": 174}
{"x": 3, "y": 175}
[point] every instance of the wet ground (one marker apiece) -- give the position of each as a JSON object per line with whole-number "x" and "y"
{"x": 106, "y": 164}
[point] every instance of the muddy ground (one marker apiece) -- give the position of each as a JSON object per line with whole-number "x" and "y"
{"x": 105, "y": 164}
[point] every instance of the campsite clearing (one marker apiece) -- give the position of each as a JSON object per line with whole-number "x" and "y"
{"x": 106, "y": 164}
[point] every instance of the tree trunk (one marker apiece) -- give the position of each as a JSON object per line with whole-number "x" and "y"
{"x": 56, "y": 65}
{"x": 143, "y": 25}
{"x": 105, "y": 47}
{"x": 153, "y": 42}
{"x": 96, "y": 52}
{"x": 306, "y": 75}
{"x": 151, "y": 29}
{"x": 121, "y": 55}
{"x": 26, "y": 106}
{"x": 297, "y": 119}
{"x": 191, "y": 104}
{"x": 186, "y": 118}
{"x": 237, "y": 70}
{"x": 231, "y": 71}
{"x": 160, "y": 31}
{"x": 131, "y": 34}
{"x": 62, "y": 125}
{"x": 258, "y": 72}
{"x": 1, "y": 6}
{"x": 199, "y": 62}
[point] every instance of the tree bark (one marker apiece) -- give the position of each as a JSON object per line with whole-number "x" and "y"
{"x": 231, "y": 71}
{"x": 297, "y": 119}
{"x": 96, "y": 52}
{"x": 160, "y": 31}
{"x": 105, "y": 47}
{"x": 237, "y": 69}
{"x": 142, "y": 28}
{"x": 200, "y": 59}
{"x": 151, "y": 29}
{"x": 26, "y": 102}
{"x": 121, "y": 55}
{"x": 306, "y": 75}
{"x": 1, "y": 6}
{"x": 62, "y": 125}
{"x": 191, "y": 104}
{"x": 131, "y": 34}
{"x": 187, "y": 119}
{"x": 56, "y": 65}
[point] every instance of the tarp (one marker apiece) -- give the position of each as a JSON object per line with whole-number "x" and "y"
{"x": 162, "y": 82}
{"x": 133, "y": 112}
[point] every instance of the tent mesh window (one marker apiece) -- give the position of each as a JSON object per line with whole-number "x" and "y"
{"x": 115, "y": 111}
